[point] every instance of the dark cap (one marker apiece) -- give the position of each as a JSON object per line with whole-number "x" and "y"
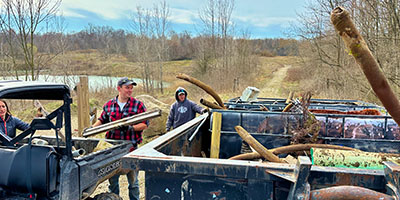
{"x": 126, "y": 81}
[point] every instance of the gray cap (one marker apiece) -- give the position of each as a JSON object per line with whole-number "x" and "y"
{"x": 126, "y": 81}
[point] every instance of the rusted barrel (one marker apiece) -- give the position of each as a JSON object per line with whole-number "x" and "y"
{"x": 348, "y": 193}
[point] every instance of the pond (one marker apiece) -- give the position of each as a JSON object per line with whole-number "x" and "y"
{"x": 95, "y": 82}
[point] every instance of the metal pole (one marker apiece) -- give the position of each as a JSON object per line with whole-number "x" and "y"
{"x": 122, "y": 122}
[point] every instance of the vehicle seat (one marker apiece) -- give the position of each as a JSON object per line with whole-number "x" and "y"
{"x": 44, "y": 167}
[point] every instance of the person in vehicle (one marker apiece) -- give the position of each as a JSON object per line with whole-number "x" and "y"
{"x": 183, "y": 110}
{"x": 9, "y": 123}
{"x": 124, "y": 105}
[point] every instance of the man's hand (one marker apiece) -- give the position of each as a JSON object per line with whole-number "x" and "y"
{"x": 120, "y": 127}
{"x": 204, "y": 110}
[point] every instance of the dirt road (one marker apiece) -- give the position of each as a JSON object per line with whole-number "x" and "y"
{"x": 273, "y": 86}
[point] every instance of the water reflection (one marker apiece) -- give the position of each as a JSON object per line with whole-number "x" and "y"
{"x": 95, "y": 82}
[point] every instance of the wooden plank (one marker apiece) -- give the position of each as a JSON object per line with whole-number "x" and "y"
{"x": 216, "y": 135}
{"x": 93, "y": 115}
{"x": 257, "y": 145}
{"x": 83, "y": 104}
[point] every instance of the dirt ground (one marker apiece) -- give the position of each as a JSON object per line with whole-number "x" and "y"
{"x": 123, "y": 187}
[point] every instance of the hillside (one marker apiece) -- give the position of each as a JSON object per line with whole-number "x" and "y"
{"x": 92, "y": 62}
{"x": 271, "y": 78}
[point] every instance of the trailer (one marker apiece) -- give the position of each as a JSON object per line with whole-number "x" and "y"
{"x": 278, "y": 104}
{"x": 177, "y": 165}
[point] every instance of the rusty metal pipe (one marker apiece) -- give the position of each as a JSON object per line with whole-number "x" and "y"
{"x": 345, "y": 27}
{"x": 348, "y": 193}
{"x": 246, "y": 156}
{"x": 78, "y": 152}
{"x": 290, "y": 149}
{"x": 203, "y": 86}
{"x": 210, "y": 104}
{"x": 122, "y": 122}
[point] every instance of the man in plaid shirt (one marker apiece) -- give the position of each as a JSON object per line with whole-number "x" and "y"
{"x": 124, "y": 105}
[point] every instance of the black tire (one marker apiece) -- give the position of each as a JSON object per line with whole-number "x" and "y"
{"x": 107, "y": 196}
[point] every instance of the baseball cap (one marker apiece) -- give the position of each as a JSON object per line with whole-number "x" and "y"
{"x": 126, "y": 81}
{"x": 181, "y": 91}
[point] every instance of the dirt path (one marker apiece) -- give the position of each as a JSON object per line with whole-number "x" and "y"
{"x": 271, "y": 88}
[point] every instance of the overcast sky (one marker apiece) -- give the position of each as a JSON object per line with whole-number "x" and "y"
{"x": 261, "y": 18}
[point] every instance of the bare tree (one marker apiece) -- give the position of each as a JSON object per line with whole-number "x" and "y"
{"x": 51, "y": 43}
{"x": 379, "y": 22}
{"x": 219, "y": 53}
{"x": 225, "y": 8}
{"x": 208, "y": 16}
{"x": 161, "y": 27}
{"x": 21, "y": 19}
{"x": 62, "y": 44}
{"x": 335, "y": 71}
{"x": 141, "y": 46}
{"x": 149, "y": 45}
{"x": 324, "y": 53}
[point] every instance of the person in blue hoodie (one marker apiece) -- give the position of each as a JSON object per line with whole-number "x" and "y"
{"x": 183, "y": 110}
{"x": 9, "y": 123}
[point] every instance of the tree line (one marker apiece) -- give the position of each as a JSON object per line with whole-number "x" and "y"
{"x": 33, "y": 35}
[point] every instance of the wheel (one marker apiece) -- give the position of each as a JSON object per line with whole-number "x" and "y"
{"x": 107, "y": 196}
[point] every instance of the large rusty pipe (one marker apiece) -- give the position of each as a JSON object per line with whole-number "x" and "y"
{"x": 290, "y": 149}
{"x": 203, "y": 86}
{"x": 348, "y": 193}
{"x": 345, "y": 27}
{"x": 246, "y": 156}
{"x": 210, "y": 104}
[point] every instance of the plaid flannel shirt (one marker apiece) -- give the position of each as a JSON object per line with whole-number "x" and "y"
{"x": 112, "y": 112}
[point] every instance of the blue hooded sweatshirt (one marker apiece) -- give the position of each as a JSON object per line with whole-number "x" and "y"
{"x": 10, "y": 124}
{"x": 182, "y": 112}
